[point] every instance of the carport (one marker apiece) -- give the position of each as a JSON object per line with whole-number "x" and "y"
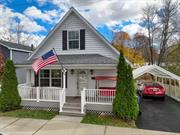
{"x": 170, "y": 81}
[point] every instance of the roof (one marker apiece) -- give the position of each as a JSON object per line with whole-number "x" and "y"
{"x": 15, "y": 46}
{"x": 79, "y": 59}
{"x": 154, "y": 70}
{"x": 72, "y": 9}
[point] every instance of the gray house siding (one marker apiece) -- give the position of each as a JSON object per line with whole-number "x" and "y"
{"x": 5, "y": 51}
{"x": 17, "y": 57}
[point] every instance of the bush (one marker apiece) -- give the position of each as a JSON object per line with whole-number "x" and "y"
{"x": 125, "y": 103}
{"x": 9, "y": 96}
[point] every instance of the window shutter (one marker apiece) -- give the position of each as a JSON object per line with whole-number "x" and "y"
{"x": 64, "y": 40}
{"x": 82, "y": 39}
{"x": 36, "y": 80}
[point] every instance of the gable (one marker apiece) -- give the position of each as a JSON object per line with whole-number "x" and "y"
{"x": 94, "y": 43}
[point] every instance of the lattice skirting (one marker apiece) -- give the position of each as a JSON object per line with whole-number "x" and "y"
{"x": 100, "y": 112}
{"x": 40, "y": 108}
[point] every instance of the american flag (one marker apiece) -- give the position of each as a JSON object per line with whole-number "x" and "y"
{"x": 48, "y": 58}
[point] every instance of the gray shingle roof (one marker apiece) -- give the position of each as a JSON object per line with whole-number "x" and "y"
{"x": 80, "y": 59}
{"x": 15, "y": 45}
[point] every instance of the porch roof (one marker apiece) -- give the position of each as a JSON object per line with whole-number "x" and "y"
{"x": 79, "y": 59}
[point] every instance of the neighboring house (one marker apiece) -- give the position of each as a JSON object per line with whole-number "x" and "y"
{"x": 90, "y": 61}
{"x": 17, "y": 53}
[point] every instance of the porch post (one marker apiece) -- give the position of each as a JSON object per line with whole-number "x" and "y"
{"x": 64, "y": 83}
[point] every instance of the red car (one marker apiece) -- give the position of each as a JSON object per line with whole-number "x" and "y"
{"x": 153, "y": 90}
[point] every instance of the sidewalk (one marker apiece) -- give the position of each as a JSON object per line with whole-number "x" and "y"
{"x": 65, "y": 125}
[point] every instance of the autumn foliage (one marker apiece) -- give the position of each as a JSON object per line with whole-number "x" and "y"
{"x": 130, "y": 47}
{"x": 135, "y": 57}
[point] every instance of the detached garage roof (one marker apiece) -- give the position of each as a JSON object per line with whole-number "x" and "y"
{"x": 154, "y": 70}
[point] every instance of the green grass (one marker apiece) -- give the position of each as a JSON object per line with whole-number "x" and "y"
{"x": 34, "y": 114}
{"x": 107, "y": 120}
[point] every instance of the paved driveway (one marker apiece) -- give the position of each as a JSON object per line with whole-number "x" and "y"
{"x": 160, "y": 115}
{"x": 62, "y": 125}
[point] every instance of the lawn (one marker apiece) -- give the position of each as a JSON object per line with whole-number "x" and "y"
{"x": 107, "y": 120}
{"x": 35, "y": 114}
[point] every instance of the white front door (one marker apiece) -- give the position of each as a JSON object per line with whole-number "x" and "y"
{"x": 82, "y": 81}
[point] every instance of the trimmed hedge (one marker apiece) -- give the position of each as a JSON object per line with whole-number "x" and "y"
{"x": 125, "y": 103}
{"x": 9, "y": 96}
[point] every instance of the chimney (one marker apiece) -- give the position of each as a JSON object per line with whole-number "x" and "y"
{"x": 32, "y": 47}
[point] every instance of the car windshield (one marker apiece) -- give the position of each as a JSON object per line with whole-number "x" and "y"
{"x": 151, "y": 84}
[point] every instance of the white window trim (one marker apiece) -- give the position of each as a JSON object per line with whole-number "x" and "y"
{"x": 50, "y": 78}
{"x": 68, "y": 39}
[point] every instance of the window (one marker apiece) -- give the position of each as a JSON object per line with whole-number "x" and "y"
{"x": 73, "y": 39}
{"x": 50, "y": 78}
{"x": 56, "y": 78}
{"x": 44, "y": 78}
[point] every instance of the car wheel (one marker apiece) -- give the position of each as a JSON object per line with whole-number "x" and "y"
{"x": 162, "y": 98}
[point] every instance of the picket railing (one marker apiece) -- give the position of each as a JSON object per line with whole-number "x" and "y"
{"x": 50, "y": 94}
{"x": 97, "y": 96}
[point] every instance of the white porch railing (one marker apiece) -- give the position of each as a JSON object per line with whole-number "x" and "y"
{"x": 47, "y": 94}
{"x": 97, "y": 96}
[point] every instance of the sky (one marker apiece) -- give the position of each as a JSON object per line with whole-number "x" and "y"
{"x": 38, "y": 17}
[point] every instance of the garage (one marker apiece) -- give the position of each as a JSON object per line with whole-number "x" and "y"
{"x": 157, "y": 114}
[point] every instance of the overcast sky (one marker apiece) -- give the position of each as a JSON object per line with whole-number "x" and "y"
{"x": 40, "y": 16}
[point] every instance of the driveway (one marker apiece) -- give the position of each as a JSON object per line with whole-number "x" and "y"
{"x": 160, "y": 115}
{"x": 64, "y": 125}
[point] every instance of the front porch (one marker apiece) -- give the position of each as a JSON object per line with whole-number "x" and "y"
{"x": 54, "y": 97}
{"x": 54, "y": 89}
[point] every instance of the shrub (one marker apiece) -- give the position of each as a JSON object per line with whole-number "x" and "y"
{"x": 125, "y": 102}
{"x": 9, "y": 96}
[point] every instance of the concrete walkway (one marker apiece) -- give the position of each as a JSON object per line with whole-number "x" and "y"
{"x": 64, "y": 125}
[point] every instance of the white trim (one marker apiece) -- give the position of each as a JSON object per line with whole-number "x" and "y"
{"x": 11, "y": 58}
{"x": 84, "y": 20}
{"x": 75, "y": 66}
{"x": 10, "y": 48}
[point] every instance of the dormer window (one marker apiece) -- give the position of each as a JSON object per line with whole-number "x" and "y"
{"x": 73, "y": 39}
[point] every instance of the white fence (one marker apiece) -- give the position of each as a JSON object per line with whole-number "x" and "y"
{"x": 97, "y": 96}
{"x": 47, "y": 94}
{"x": 172, "y": 91}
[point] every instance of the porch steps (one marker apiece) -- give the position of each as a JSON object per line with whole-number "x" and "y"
{"x": 72, "y": 109}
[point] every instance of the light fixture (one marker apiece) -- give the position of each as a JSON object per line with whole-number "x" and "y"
{"x": 72, "y": 71}
{"x": 91, "y": 71}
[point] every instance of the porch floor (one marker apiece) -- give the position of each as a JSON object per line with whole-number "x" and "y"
{"x": 76, "y": 99}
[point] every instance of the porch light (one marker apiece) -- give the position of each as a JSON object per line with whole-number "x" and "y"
{"x": 72, "y": 71}
{"x": 91, "y": 71}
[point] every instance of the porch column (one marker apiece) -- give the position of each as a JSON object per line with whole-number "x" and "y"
{"x": 64, "y": 82}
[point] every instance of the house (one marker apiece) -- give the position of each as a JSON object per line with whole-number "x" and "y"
{"x": 90, "y": 62}
{"x": 16, "y": 53}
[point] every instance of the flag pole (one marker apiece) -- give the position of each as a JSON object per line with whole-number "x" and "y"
{"x": 58, "y": 59}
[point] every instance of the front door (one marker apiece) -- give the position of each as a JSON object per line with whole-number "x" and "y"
{"x": 82, "y": 81}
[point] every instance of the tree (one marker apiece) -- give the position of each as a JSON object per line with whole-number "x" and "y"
{"x": 168, "y": 20}
{"x": 162, "y": 24}
{"x": 9, "y": 96}
{"x": 125, "y": 102}
{"x": 140, "y": 44}
{"x": 1, "y": 64}
{"x": 149, "y": 16}
{"x": 15, "y": 33}
{"x": 123, "y": 43}
{"x": 172, "y": 59}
